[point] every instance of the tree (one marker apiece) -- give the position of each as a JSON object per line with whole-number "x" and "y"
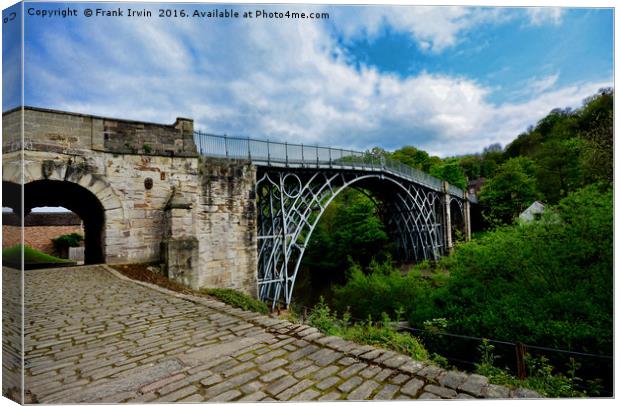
{"x": 413, "y": 157}
{"x": 558, "y": 168}
{"x": 450, "y": 171}
{"x": 509, "y": 192}
{"x": 595, "y": 126}
{"x": 349, "y": 228}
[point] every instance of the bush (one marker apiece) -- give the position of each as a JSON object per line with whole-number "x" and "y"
{"x": 62, "y": 243}
{"x": 238, "y": 299}
{"x": 380, "y": 334}
{"x": 546, "y": 283}
{"x": 383, "y": 290}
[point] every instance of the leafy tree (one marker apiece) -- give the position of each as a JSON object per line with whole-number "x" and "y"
{"x": 511, "y": 191}
{"x": 558, "y": 168}
{"x": 350, "y": 228}
{"x": 595, "y": 126}
{"x": 450, "y": 171}
{"x": 413, "y": 157}
{"x": 482, "y": 165}
{"x": 471, "y": 165}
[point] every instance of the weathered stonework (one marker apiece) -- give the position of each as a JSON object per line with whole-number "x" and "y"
{"x": 209, "y": 243}
{"x": 227, "y": 220}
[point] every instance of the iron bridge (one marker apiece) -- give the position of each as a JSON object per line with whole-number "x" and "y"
{"x": 296, "y": 183}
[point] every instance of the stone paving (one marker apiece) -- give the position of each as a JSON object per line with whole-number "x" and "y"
{"x": 93, "y": 336}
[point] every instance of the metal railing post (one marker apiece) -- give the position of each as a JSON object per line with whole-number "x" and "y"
{"x": 303, "y": 160}
{"x": 249, "y": 150}
{"x": 226, "y": 144}
{"x": 268, "y": 153}
{"x": 286, "y": 151}
{"x": 330, "y": 156}
{"x": 317, "y": 155}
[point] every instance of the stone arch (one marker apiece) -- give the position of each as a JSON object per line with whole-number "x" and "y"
{"x": 74, "y": 184}
{"x": 291, "y": 204}
{"x": 457, "y": 219}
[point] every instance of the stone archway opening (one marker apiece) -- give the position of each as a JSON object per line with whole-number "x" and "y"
{"x": 457, "y": 220}
{"x": 69, "y": 195}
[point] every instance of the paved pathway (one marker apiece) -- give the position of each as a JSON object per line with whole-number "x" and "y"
{"x": 95, "y": 336}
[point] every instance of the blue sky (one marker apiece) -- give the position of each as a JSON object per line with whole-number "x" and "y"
{"x": 450, "y": 80}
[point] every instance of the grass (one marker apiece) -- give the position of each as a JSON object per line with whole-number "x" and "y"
{"x": 238, "y": 299}
{"x": 31, "y": 256}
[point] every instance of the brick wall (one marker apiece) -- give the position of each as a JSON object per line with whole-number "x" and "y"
{"x": 39, "y": 237}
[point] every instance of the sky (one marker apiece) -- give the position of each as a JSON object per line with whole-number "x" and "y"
{"x": 449, "y": 80}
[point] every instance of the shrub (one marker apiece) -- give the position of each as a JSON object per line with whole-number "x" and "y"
{"x": 67, "y": 240}
{"x": 545, "y": 283}
{"x": 383, "y": 290}
{"x": 380, "y": 334}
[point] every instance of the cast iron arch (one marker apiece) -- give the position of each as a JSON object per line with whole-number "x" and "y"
{"x": 290, "y": 204}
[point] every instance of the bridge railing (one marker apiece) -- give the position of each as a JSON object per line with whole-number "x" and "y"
{"x": 269, "y": 153}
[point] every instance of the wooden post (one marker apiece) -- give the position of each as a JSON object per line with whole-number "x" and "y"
{"x": 520, "y": 352}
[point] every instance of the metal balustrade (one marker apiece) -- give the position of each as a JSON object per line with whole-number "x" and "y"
{"x": 283, "y": 154}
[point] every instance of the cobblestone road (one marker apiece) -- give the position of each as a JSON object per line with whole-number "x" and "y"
{"x": 94, "y": 336}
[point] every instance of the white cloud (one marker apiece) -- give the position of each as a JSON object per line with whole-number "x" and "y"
{"x": 544, "y": 15}
{"x": 286, "y": 81}
{"x": 434, "y": 28}
{"x": 539, "y": 85}
{"x": 536, "y": 85}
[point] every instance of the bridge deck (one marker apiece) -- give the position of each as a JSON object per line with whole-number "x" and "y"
{"x": 284, "y": 155}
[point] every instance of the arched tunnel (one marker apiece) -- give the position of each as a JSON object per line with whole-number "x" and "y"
{"x": 69, "y": 195}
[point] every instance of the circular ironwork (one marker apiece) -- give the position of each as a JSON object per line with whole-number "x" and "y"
{"x": 291, "y": 185}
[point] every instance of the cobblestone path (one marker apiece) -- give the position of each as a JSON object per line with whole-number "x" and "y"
{"x": 95, "y": 336}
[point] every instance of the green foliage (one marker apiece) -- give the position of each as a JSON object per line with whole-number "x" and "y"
{"x": 509, "y": 192}
{"x": 570, "y": 148}
{"x": 558, "y": 169}
{"x": 416, "y": 158}
{"x": 450, "y": 171}
{"x": 546, "y": 282}
{"x": 13, "y": 255}
{"x": 147, "y": 148}
{"x": 445, "y": 169}
{"x": 380, "y": 334}
{"x": 349, "y": 228}
{"x": 540, "y": 376}
{"x": 383, "y": 290}
{"x": 595, "y": 126}
{"x": 238, "y": 299}
{"x": 67, "y": 240}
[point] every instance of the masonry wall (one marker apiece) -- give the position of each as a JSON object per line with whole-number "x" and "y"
{"x": 134, "y": 169}
{"x": 39, "y": 237}
{"x": 227, "y": 224}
